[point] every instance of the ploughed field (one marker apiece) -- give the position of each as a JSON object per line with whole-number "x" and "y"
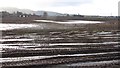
{"x": 71, "y": 48}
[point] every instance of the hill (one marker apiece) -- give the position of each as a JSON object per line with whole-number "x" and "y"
{"x": 28, "y": 11}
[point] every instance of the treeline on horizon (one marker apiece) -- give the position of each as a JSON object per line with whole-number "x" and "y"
{"x": 24, "y": 17}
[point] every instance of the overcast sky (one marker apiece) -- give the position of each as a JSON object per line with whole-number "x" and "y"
{"x": 84, "y": 7}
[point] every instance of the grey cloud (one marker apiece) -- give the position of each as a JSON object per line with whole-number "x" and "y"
{"x": 70, "y": 2}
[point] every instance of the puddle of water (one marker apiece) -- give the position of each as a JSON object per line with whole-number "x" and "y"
{"x": 44, "y": 57}
{"x": 79, "y": 22}
{"x": 27, "y": 45}
{"x": 70, "y": 21}
{"x": 84, "y": 43}
{"x": 5, "y": 40}
{"x": 91, "y": 63}
{"x": 15, "y": 26}
{"x": 19, "y": 26}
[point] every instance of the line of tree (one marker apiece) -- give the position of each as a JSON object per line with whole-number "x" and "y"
{"x": 20, "y": 14}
